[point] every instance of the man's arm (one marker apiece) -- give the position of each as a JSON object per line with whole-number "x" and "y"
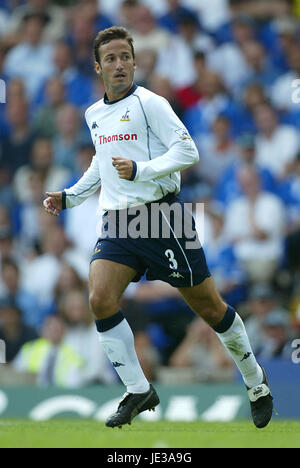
{"x": 181, "y": 150}
{"x": 73, "y": 196}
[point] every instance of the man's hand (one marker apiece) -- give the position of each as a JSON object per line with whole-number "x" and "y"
{"x": 53, "y": 204}
{"x": 124, "y": 167}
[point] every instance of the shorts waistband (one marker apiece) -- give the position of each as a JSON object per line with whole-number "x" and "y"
{"x": 169, "y": 198}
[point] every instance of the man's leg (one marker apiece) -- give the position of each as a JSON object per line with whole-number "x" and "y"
{"x": 206, "y": 302}
{"x": 108, "y": 281}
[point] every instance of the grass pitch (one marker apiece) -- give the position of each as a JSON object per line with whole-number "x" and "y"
{"x": 81, "y": 433}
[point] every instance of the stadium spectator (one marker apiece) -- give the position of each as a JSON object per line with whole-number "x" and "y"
{"x": 277, "y": 145}
{"x": 78, "y": 86}
{"x": 32, "y": 59}
{"x": 8, "y": 249}
{"x": 41, "y": 162}
{"x": 12, "y": 329}
{"x": 81, "y": 35}
{"x": 3, "y": 23}
{"x": 146, "y": 65}
{"x": 92, "y": 10}
{"x": 55, "y": 250}
{"x": 69, "y": 138}
{"x": 229, "y": 275}
{"x": 146, "y": 34}
{"x": 261, "y": 302}
{"x": 278, "y": 343}
{"x": 253, "y": 95}
{"x": 215, "y": 101}
{"x": 68, "y": 280}
{"x": 217, "y": 151}
{"x": 16, "y": 90}
{"x": 285, "y": 96}
{"x": 228, "y": 59}
{"x": 45, "y": 120}
{"x": 7, "y": 196}
{"x": 55, "y": 19}
{"x": 255, "y": 226}
{"x": 176, "y": 60}
{"x": 212, "y": 14}
{"x": 162, "y": 87}
{"x": 25, "y": 301}
{"x": 127, "y": 13}
{"x": 82, "y": 336}
{"x": 190, "y": 95}
{"x": 228, "y": 188}
{"x": 87, "y": 215}
{"x": 203, "y": 353}
{"x": 261, "y": 70}
{"x": 291, "y": 195}
{"x": 20, "y": 139}
{"x": 52, "y": 360}
{"x": 176, "y": 10}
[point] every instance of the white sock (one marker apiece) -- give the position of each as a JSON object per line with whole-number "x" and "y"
{"x": 118, "y": 344}
{"x": 236, "y": 341}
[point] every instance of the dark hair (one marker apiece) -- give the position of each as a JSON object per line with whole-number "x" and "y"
{"x": 107, "y": 35}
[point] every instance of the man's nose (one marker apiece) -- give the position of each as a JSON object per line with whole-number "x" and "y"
{"x": 119, "y": 64}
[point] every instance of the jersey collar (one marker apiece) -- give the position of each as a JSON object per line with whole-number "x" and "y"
{"x": 131, "y": 91}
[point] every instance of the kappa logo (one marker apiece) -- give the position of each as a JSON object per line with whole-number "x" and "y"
{"x": 117, "y": 364}
{"x": 247, "y": 355}
{"x": 258, "y": 391}
{"x": 176, "y": 275}
{"x": 125, "y": 117}
{"x": 95, "y": 125}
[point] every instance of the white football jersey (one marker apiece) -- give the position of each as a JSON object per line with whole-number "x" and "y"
{"x": 141, "y": 127}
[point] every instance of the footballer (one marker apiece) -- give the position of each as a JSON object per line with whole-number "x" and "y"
{"x": 140, "y": 148}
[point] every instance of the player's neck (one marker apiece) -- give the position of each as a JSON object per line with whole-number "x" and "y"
{"x": 113, "y": 95}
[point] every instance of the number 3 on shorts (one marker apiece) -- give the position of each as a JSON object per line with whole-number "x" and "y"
{"x": 171, "y": 256}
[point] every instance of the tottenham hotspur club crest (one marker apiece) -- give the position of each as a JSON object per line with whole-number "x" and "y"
{"x": 125, "y": 117}
{"x": 95, "y": 125}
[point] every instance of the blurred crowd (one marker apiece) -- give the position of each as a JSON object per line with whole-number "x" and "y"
{"x": 231, "y": 71}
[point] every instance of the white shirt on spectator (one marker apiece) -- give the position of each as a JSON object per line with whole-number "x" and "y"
{"x": 111, "y": 7}
{"x": 31, "y": 64}
{"x": 212, "y": 13}
{"x": 84, "y": 215}
{"x": 276, "y": 152}
{"x": 40, "y": 275}
{"x": 176, "y": 61}
{"x": 269, "y": 217}
{"x": 284, "y": 95}
{"x": 229, "y": 62}
{"x": 155, "y": 40}
{"x": 85, "y": 341}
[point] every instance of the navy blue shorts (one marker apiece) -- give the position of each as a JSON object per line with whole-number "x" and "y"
{"x": 159, "y": 243}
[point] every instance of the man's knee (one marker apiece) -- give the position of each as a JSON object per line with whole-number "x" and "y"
{"x": 103, "y": 304}
{"x": 210, "y": 310}
{"x": 211, "y": 313}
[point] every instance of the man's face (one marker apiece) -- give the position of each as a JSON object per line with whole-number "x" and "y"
{"x": 117, "y": 65}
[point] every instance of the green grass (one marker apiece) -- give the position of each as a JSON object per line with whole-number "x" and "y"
{"x": 87, "y": 433}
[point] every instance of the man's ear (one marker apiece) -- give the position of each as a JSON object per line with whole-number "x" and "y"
{"x": 98, "y": 68}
